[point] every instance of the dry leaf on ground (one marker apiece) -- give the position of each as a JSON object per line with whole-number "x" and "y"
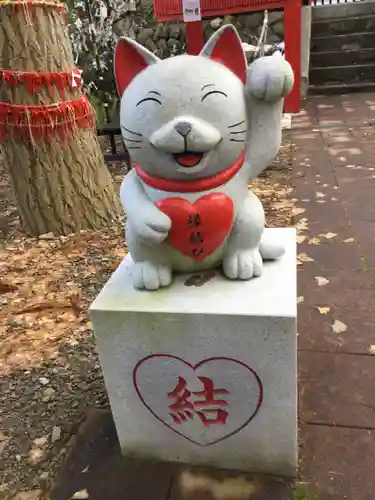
{"x": 314, "y": 241}
{"x": 303, "y": 257}
{"x": 80, "y": 495}
{"x": 298, "y": 211}
{"x": 323, "y": 310}
{"x": 329, "y": 236}
{"x": 349, "y": 240}
{"x": 339, "y": 326}
{"x": 300, "y": 299}
{"x": 321, "y": 281}
{"x": 6, "y": 287}
{"x": 372, "y": 350}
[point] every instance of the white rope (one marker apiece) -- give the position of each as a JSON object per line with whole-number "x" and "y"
{"x": 259, "y": 51}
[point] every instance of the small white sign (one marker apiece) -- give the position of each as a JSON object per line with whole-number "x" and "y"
{"x": 191, "y": 10}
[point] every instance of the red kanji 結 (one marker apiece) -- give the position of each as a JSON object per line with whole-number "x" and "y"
{"x": 205, "y": 404}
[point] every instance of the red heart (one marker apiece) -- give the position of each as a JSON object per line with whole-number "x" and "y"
{"x": 204, "y": 403}
{"x": 198, "y": 228}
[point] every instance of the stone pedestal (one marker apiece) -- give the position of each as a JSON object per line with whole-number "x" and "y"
{"x": 205, "y": 371}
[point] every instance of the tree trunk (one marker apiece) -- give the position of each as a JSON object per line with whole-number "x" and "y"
{"x": 62, "y": 185}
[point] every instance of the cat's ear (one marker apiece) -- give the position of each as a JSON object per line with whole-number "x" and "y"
{"x": 225, "y": 46}
{"x": 130, "y": 59}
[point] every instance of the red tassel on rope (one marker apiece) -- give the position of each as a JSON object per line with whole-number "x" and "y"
{"x": 34, "y": 81}
{"x": 32, "y": 123}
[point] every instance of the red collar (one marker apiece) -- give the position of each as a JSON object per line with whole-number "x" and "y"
{"x": 191, "y": 186}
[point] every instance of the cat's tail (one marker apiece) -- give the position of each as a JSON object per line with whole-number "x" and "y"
{"x": 269, "y": 248}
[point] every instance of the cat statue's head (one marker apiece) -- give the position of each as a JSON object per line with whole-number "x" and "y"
{"x": 183, "y": 117}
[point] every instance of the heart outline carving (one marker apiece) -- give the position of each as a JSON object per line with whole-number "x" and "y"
{"x": 194, "y": 368}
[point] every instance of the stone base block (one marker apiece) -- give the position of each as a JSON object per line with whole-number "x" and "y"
{"x": 205, "y": 371}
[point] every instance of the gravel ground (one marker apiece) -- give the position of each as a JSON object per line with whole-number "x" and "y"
{"x": 50, "y": 373}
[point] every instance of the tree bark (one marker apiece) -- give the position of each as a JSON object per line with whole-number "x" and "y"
{"x": 61, "y": 186}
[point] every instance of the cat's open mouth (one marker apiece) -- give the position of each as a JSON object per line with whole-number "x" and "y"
{"x": 188, "y": 159}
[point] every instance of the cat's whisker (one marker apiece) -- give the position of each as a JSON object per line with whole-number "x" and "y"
{"x": 237, "y": 124}
{"x": 239, "y": 132}
{"x": 131, "y": 131}
{"x": 236, "y": 140}
{"x": 131, "y": 140}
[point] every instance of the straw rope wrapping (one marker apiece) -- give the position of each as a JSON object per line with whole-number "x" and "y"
{"x": 61, "y": 184}
{"x": 28, "y": 7}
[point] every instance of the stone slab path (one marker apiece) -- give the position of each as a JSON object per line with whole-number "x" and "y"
{"x": 334, "y": 181}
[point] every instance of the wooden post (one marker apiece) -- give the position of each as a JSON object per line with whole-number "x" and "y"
{"x": 194, "y": 37}
{"x": 293, "y": 41}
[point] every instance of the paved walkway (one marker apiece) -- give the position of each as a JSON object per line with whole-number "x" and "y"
{"x": 334, "y": 179}
{"x": 334, "y": 182}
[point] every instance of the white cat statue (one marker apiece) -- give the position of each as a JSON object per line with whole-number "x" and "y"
{"x": 198, "y": 129}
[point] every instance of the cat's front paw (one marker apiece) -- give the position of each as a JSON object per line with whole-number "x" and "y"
{"x": 243, "y": 265}
{"x": 149, "y": 276}
{"x": 270, "y": 78}
{"x": 150, "y": 225}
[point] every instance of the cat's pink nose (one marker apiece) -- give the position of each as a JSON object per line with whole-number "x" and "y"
{"x": 183, "y": 128}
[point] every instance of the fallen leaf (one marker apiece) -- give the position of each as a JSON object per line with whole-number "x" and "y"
{"x": 372, "y": 350}
{"x": 298, "y": 211}
{"x": 300, "y": 299}
{"x": 319, "y": 195}
{"x": 40, "y": 441}
{"x": 28, "y": 495}
{"x": 3, "y": 437}
{"x": 48, "y": 394}
{"x": 4, "y": 440}
{"x": 339, "y": 326}
{"x": 314, "y": 241}
{"x": 336, "y": 187}
{"x": 36, "y": 455}
{"x": 349, "y": 240}
{"x": 321, "y": 281}
{"x": 329, "y": 236}
{"x": 75, "y": 300}
{"x": 44, "y": 305}
{"x": 80, "y": 495}
{"x": 303, "y": 257}
{"x": 6, "y": 287}
{"x": 300, "y": 238}
{"x": 56, "y": 434}
{"x": 323, "y": 310}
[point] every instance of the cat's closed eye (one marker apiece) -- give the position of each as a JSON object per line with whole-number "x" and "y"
{"x": 213, "y": 92}
{"x": 149, "y": 99}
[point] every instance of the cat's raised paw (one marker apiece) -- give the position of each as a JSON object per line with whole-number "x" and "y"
{"x": 243, "y": 265}
{"x": 270, "y": 78}
{"x": 149, "y": 276}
